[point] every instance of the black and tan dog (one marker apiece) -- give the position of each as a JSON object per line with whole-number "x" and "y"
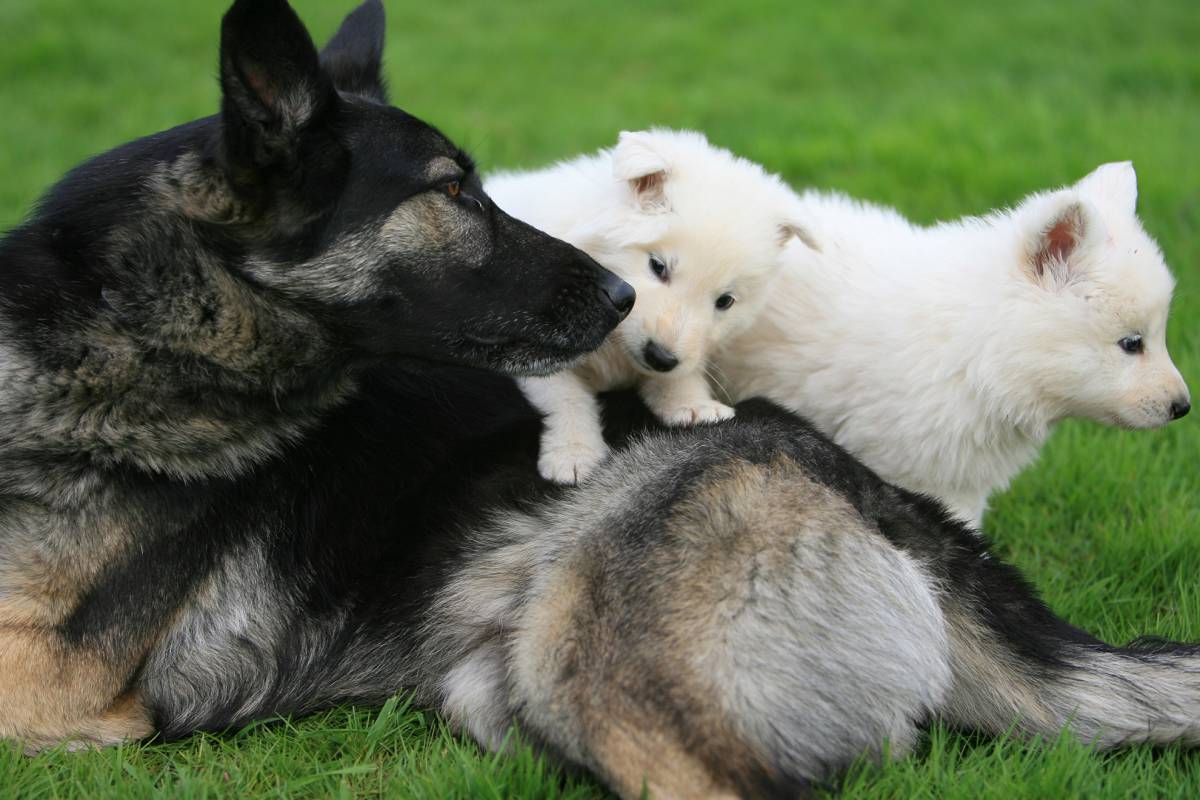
{"x": 180, "y": 325}
{"x": 248, "y": 467}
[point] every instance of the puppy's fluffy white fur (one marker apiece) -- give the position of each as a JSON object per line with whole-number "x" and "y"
{"x": 697, "y": 231}
{"x": 943, "y": 356}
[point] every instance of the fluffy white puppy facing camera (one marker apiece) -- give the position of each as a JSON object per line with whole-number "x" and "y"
{"x": 698, "y": 232}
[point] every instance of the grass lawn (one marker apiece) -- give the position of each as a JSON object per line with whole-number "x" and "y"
{"x": 940, "y": 108}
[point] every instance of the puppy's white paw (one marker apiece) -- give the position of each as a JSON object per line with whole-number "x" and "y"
{"x": 698, "y": 413}
{"x": 570, "y": 462}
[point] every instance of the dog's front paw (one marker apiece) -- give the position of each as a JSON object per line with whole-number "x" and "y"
{"x": 570, "y": 462}
{"x": 698, "y": 413}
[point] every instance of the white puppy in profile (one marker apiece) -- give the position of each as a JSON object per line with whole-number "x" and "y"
{"x": 943, "y": 356}
{"x": 699, "y": 234}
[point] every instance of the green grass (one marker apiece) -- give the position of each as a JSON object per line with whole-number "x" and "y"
{"x": 940, "y": 108}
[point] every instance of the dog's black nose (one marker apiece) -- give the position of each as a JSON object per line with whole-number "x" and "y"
{"x": 620, "y": 294}
{"x": 1180, "y": 408}
{"x": 659, "y": 358}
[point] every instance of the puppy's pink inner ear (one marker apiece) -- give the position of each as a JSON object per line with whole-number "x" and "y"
{"x": 650, "y": 184}
{"x": 1059, "y": 240}
{"x": 650, "y": 191}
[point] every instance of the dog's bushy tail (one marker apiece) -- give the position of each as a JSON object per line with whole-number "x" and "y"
{"x": 1016, "y": 666}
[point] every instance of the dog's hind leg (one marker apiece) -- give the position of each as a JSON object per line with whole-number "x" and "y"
{"x": 755, "y": 639}
{"x": 631, "y": 744}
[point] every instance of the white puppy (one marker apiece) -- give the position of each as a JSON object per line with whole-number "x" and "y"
{"x": 943, "y": 356}
{"x": 697, "y": 231}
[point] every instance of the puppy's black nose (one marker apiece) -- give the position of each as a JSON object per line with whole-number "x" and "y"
{"x": 620, "y": 294}
{"x": 1180, "y": 408}
{"x": 659, "y": 358}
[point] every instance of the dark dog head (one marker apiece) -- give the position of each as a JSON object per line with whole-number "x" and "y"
{"x": 372, "y": 218}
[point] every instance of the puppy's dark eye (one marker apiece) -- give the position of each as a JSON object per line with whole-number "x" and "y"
{"x": 659, "y": 268}
{"x": 725, "y": 301}
{"x": 1132, "y": 344}
{"x": 453, "y": 188}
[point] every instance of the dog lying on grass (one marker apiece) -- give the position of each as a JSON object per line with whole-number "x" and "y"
{"x": 192, "y": 328}
{"x": 943, "y": 356}
{"x": 256, "y": 459}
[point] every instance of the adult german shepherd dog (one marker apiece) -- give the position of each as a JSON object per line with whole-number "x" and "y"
{"x": 249, "y": 465}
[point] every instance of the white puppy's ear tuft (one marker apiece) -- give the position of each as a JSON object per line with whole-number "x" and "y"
{"x": 1068, "y": 228}
{"x": 1113, "y": 185}
{"x": 794, "y": 230}
{"x": 638, "y": 161}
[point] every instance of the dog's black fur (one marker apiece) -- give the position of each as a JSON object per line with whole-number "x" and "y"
{"x": 304, "y": 153}
{"x": 225, "y": 336}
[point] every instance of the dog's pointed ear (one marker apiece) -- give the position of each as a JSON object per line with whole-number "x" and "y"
{"x": 273, "y": 87}
{"x": 354, "y": 56}
{"x": 794, "y": 230}
{"x": 1114, "y": 185}
{"x": 1063, "y": 230}
{"x": 637, "y": 161}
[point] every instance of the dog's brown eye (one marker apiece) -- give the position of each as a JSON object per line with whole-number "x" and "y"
{"x": 1131, "y": 344}
{"x": 725, "y": 301}
{"x": 453, "y": 188}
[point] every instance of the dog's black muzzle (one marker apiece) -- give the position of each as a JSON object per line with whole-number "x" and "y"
{"x": 619, "y": 293}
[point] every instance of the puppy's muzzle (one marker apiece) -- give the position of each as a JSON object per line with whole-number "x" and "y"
{"x": 659, "y": 358}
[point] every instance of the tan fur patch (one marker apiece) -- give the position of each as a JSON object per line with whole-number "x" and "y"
{"x": 649, "y": 718}
{"x": 50, "y": 690}
{"x": 199, "y": 191}
{"x": 41, "y": 594}
{"x": 43, "y": 577}
{"x": 630, "y": 740}
{"x": 638, "y": 759}
{"x": 52, "y": 693}
{"x": 751, "y": 515}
